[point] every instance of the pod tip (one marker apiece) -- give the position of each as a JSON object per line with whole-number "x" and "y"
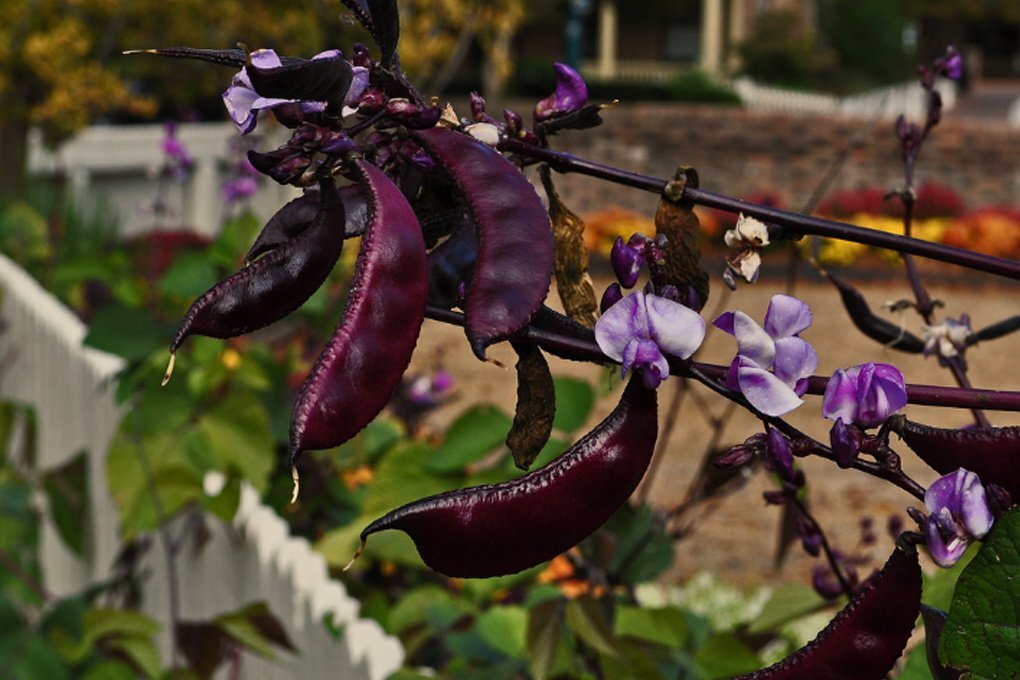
{"x": 169, "y": 369}
{"x": 297, "y": 483}
{"x": 357, "y": 554}
{"x": 143, "y": 51}
{"x": 496, "y": 362}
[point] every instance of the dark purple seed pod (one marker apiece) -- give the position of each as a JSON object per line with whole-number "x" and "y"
{"x": 451, "y": 265}
{"x": 371, "y": 346}
{"x": 273, "y": 286}
{"x": 993, "y": 453}
{"x": 867, "y": 636}
{"x": 498, "y": 529}
{"x": 873, "y": 326}
{"x": 296, "y": 216}
{"x": 515, "y": 246}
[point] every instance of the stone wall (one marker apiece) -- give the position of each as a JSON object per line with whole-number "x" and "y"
{"x": 740, "y": 152}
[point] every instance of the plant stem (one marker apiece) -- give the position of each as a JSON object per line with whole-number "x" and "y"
{"x": 8, "y": 562}
{"x": 169, "y": 545}
{"x": 795, "y": 222}
{"x": 826, "y": 548}
{"x": 585, "y": 349}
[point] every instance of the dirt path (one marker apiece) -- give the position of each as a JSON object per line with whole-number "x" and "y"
{"x": 736, "y": 541}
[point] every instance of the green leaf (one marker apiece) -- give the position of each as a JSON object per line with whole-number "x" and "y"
{"x": 236, "y": 431}
{"x": 104, "y": 624}
{"x": 574, "y": 402}
{"x": 588, "y": 621}
{"x": 724, "y": 656}
{"x": 789, "y": 601}
{"x": 256, "y": 628}
{"x": 982, "y": 632}
{"x": 545, "y": 638}
{"x": 643, "y": 549}
{"x": 110, "y": 670}
{"x": 635, "y": 662}
{"x": 67, "y": 492}
{"x": 666, "y": 626}
{"x": 939, "y": 587}
{"x": 401, "y": 477}
{"x": 505, "y": 629}
{"x": 127, "y": 332}
{"x": 175, "y": 486}
{"x": 140, "y": 651}
{"x": 190, "y": 275}
{"x": 477, "y": 431}
{"x": 428, "y": 604}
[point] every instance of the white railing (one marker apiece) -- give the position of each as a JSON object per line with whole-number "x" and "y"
{"x": 1013, "y": 117}
{"x": 69, "y": 387}
{"x": 886, "y": 102}
{"x": 113, "y": 167}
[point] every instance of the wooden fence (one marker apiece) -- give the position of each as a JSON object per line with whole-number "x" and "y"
{"x": 254, "y": 558}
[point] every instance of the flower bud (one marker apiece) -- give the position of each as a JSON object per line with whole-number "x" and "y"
{"x": 735, "y": 457}
{"x": 477, "y": 107}
{"x": 627, "y": 263}
{"x": 514, "y": 124}
{"x": 361, "y": 56}
{"x": 569, "y": 96}
{"x": 846, "y": 442}
{"x": 610, "y": 297}
{"x": 780, "y": 454}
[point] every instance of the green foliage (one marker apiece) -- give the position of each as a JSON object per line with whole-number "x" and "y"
{"x": 982, "y": 633}
{"x": 697, "y": 86}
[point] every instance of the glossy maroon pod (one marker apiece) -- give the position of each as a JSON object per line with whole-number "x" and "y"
{"x": 298, "y": 215}
{"x": 872, "y": 325}
{"x": 371, "y": 346}
{"x": 867, "y": 636}
{"x": 515, "y": 247}
{"x": 498, "y": 529}
{"x": 451, "y": 266}
{"x": 993, "y": 453}
{"x": 273, "y": 286}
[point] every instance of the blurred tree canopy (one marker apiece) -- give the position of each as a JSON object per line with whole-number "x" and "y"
{"x": 61, "y": 62}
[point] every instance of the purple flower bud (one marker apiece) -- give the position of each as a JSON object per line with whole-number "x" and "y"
{"x": 337, "y": 143}
{"x": 442, "y": 381}
{"x": 514, "y": 123}
{"x": 958, "y": 513}
{"x": 627, "y": 263}
{"x": 866, "y": 394}
{"x": 999, "y": 499}
{"x": 372, "y": 100}
{"x": 845, "y": 441}
{"x": 477, "y": 107}
{"x": 610, "y": 297}
{"x": 894, "y": 526}
{"x": 735, "y": 457}
{"x": 810, "y": 539}
{"x": 825, "y": 584}
{"x": 780, "y": 454}
{"x": 952, "y": 65}
{"x": 361, "y": 56}
{"x": 570, "y": 95}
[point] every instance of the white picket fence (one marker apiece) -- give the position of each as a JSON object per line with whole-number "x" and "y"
{"x": 887, "y": 102}
{"x": 69, "y": 386}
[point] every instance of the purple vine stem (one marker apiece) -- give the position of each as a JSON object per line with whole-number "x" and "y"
{"x": 795, "y": 222}
{"x": 584, "y": 349}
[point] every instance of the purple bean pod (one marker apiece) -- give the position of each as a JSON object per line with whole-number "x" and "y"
{"x": 371, "y": 346}
{"x": 515, "y": 247}
{"x": 993, "y": 453}
{"x": 273, "y": 286}
{"x": 497, "y": 529}
{"x": 451, "y": 266}
{"x": 867, "y": 636}
{"x": 298, "y": 214}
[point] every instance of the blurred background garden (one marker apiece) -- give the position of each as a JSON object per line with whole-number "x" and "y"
{"x": 147, "y": 532}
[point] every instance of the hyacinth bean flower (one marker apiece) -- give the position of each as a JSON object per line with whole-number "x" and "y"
{"x": 958, "y": 513}
{"x": 772, "y": 363}
{"x": 244, "y": 103}
{"x": 639, "y": 330}
{"x": 747, "y": 238}
{"x": 569, "y": 96}
{"x": 865, "y": 395}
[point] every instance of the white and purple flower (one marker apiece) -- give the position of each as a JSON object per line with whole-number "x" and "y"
{"x": 958, "y": 514}
{"x": 865, "y": 394}
{"x": 772, "y": 363}
{"x": 639, "y": 330}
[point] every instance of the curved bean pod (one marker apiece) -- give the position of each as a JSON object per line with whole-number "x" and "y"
{"x": 504, "y": 528}
{"x": 872, "y": 325}
{"x": 298, "y": 214}
{"x": 274, "y": 286}
{"x": 451, "y": 266}
{"x": 867, "y": 636}
{"x": 515, "y": 248}
{"x": 371, "y": 346}
{"x": 993, "y": 453}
